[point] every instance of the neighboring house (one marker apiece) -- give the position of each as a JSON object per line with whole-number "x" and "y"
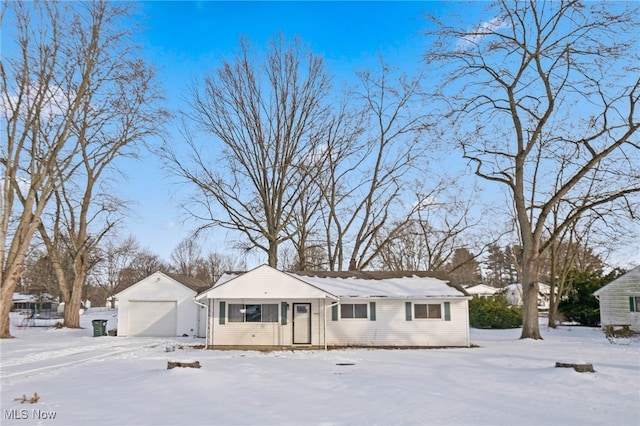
{"x": 620, "y": 301}
{"x": 513, "y": 293}
{"x": 38, "y": 305}
{"x": 272, "y": 309}
{"x": 112, "y": 302}
{"x": 161, "y": 305}
{"x": 481, "y": 290}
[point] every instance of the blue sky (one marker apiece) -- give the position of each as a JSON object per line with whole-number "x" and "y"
{"x": 186, "y": 39}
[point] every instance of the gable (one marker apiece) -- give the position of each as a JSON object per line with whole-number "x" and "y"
{"x": 265, "y": 282}
{"x": 158, "y": 283}
{"x": 629, "y": 282}
{"x": 481, "y": 289}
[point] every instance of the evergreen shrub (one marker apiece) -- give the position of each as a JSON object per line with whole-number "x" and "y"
{"x": 580, "y": 305}
{"x": 493, "y": 312}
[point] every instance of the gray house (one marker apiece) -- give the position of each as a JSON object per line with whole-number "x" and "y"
{"x": 620, "y": 301}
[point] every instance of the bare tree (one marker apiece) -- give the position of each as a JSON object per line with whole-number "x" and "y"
{"x": 570, "y": 252}
{"x": 186, "y": 257}
{"x": 365, "y": 174}
{"x": 215, "y": 264}
{"x": 115, "y": 257}
{"x": 268, "y": 118}
{"x": 143, "y": 264}
{"x": 38, "y": 276}
{"x": 340, "y": 140}
{"x": 542, "y": 89}
{"x": 117, "y": 113}
{"x": 38, "y": 105}
{"x": 440, "y": 222}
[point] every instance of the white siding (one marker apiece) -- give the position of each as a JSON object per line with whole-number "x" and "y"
{"x": 263, "y": 334}
{"x": 389, "y": 329}
{"x": 392, "y": 329}
{"x": 614, "y": 300}
{"x": 160, "y": 288}
{"x": 265, "y": 283}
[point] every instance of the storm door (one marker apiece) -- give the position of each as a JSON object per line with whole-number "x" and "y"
{"x": 302, "y": 323}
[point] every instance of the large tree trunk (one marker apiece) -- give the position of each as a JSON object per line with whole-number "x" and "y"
{"x": 273, "y": 254}
{"x": 72, "y": 306}
{"x": 9, "y": 282}
{"x": 72, "y": 309}
{"x": 530, "y": 265}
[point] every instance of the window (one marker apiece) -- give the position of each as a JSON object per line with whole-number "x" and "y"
{"x": 427, "y": 311}
{"x": 634, "y": 303}
{"x": 353, "y": 310}
{"x": 253, "y": 312}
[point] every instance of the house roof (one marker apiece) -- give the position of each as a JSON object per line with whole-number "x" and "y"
{"x": 631, "y": 277}
{"x": 194, "y": 284}
{"x": 32, "y": 298}
{"x": 191, "y": 283}
{"x": 481, "y": 289}
{"x": 381, "y": 283}
{"x": 343, "y": 284}
{"x": 542, "y": 288}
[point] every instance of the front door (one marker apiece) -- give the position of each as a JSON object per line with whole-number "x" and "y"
{"x": 302, "y": 323}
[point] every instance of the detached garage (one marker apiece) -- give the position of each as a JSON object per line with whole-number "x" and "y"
{"x": 162, "y": 305}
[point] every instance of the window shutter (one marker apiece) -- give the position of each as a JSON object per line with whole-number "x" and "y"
{"x": 283, "y": 313}
{"x": 447, "y": 311}
{"x": 632, "y": 305}
{"x": 334, "y": 312}
{"x": 372, "y": 311}
{"x": 407, "y": 309}
{"x": 222, "y": 312}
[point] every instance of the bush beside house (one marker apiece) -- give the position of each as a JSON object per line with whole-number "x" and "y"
{"x": 580, "y": 305}
{"x": 493, "y": 312}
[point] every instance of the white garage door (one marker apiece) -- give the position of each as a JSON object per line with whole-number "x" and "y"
{"x": 152, "y": 318}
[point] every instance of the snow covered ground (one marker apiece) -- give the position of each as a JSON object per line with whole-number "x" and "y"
{"x": 85, "y": 380}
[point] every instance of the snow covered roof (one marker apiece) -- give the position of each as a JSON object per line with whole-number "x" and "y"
{"x": 22, "y": 297}
{"x": 542, "y": 288}
{"x": 32, "y": 298}
{"x": 399, "y": 286}
{"x": 481, "y": 289}
{"x": 343, "y": 284}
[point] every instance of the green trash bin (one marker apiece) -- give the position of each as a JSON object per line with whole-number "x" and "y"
{"x": 99, "y": 327}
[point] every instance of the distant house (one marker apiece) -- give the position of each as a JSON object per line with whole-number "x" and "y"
{"x": 481, "y": 290}
{"x": 269, "y": 308}
{"x": 41, "y": 305}
{"x": 513, "y": 293}
{"x": 161, "y": 305}
{"x": 620, "y": 301}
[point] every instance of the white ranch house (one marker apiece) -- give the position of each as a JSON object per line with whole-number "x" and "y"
{"x": 161, "y": 305}
{"x": 268, "y": 308}
{"x": 482, "y": 290}
{"x": 620, "y": 301}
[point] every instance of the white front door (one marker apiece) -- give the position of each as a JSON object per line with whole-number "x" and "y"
{"x": 302, "y": 323}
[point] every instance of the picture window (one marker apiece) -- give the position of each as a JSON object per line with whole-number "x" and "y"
{"x": 253, "y": 312}
{"x": 427, "y": 311}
